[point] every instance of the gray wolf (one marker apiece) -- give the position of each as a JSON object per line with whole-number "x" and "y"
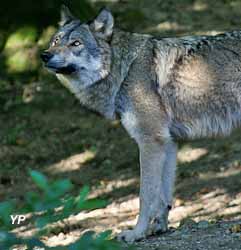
{"x": 161, "y": 89}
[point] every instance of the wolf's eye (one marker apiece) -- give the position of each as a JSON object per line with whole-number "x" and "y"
{"x": 56, "y": 40}
{"x": 76, "y": 43}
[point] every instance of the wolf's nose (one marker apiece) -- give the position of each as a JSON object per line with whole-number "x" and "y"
{"x": 46, "y": 56}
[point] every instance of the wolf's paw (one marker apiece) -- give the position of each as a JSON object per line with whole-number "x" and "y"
{"x": 130, "y": 236}
{"x": 159, "y": 225}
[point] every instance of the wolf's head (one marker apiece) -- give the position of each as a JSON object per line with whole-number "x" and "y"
{"x": 79, "y": 53}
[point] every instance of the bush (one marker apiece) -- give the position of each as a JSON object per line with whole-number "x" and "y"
{"x": 51, "y": 203}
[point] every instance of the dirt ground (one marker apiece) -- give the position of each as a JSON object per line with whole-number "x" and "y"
{"x": 47, "y": 130}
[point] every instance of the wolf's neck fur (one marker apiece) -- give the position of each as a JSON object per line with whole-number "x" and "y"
{"x": 101, "y": 96}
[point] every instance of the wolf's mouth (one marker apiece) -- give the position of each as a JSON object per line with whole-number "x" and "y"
{"x": 67, "y": 70}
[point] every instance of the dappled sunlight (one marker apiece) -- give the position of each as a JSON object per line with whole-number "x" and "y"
{"x": 117, "y": 216}
{"x": 188, "y": 154}
{"x": 210, "y": 32}
{"x": 230, "y": 172}
{"x": 20, "y": 50}
{"x": 167, "y": 26}
{"x": 107, "y": 187}
{"x": 72, "y": 163}
{"x": 22, "y": 60}
{"x": 123, "y": 215}
{"x": 23, "y": 37}
{"x": 212, "y": 205}
{"x": 209, "y": 206}
{"x": 199, "y": 6}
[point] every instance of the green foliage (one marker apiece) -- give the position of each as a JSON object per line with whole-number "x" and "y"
{"x": 18, "y": 61}
{"x": 20, "y": 48}
{"x": 51, "y": 203}
{"x": 25, "y": 36}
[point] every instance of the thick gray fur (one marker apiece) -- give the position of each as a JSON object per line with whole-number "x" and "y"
{"x": 161, "y": 89}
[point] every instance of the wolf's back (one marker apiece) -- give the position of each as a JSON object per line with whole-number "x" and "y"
{"x": 199, "y": 79}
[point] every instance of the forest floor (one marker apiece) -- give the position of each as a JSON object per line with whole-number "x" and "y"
{"x": 47, "y": 130}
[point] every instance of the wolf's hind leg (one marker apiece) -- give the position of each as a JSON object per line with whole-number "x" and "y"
{"x": 168, "y": 178}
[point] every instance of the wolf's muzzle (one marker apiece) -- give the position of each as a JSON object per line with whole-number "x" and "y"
{"x": 46, "y": 56}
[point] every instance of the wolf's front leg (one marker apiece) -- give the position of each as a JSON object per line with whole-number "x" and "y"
{"x": 152, "y": 197}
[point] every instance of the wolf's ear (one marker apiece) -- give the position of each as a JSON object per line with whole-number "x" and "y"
{"x": 103, "y": 24}
{"x": 65, "y": 15}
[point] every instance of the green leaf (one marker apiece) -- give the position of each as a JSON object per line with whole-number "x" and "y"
{"x": 83, "y": 194}
{"x": 61, "y": 187}
{"x": 39, "y": 179}
{"x": 31, "y": 198}
{"x": 68, "y": 206}
{"x": 6, "y": 209}
{"x": 86, "y": 242}
{"x": 43, "y": 221}
{"x": 92, "y": 204}
{"x": 47, "y": 205}
{"x": 81, "y": 199}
